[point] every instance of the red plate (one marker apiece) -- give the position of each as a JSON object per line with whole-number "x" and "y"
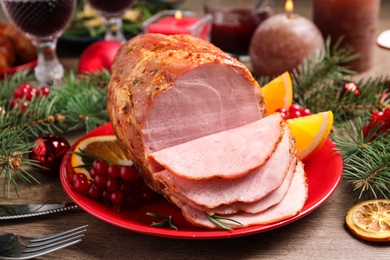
{"x": 12, "y": 70}
{"x": 324, "y": 171}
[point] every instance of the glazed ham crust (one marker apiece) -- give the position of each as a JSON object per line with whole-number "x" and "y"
{"x": 167, "y": 90}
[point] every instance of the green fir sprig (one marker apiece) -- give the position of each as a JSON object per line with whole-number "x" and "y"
{"x": 77, "y": 104}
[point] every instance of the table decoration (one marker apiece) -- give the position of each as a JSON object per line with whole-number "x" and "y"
{"x": 282, "y": 42}
{"x": 353, "y": 20}
{"x": 234, "y": 23}
{"x": 170, "y": 22}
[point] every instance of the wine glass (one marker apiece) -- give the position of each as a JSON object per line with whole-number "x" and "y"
{"x": 112, "y": 12}
{"x": 42, "y": 21}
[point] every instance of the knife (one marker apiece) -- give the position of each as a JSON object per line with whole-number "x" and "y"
{"x": 14, "y": 211}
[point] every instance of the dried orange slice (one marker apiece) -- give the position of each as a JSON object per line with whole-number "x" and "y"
{"x": 105, "y": 147}
{"x": 370, "y": 220}
{"x": 278, "y": 93}
{"x": 310, "y": 132}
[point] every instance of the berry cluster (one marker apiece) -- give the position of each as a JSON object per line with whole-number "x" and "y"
{"x": 114, "y": 185}
{"x": 25, "y": 92}
{"x": 294, "y": 111}
{"x": 380, "y": 123}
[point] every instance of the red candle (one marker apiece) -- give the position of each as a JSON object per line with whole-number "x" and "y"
{"x": 178, "y": 24}
{"x": 355, "y": 20}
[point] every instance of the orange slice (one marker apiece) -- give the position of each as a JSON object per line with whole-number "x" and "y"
{"x": 310, "y": 132}
{"x": 370, "y": 220}
{"x": 105, "y": 147}
{"x": 278, "y": 93}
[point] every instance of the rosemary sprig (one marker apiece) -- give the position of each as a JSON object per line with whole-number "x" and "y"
{"x": 216, "y": 220}
{"x": 166, "y": 221}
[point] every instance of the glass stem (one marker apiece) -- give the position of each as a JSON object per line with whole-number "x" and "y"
{"x": 49, "y": 70}
{"x": 114, "y": 30}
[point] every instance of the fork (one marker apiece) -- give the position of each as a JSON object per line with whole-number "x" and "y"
{"x": 14, "y": 246}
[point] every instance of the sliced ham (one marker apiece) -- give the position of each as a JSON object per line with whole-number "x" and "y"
{"x": 228, "y": 154}
{"x": 290, "y": 206}
{"x": 167, "y": 90}
{"x": 211, "y": 193}
{"x": 268, "y": 201}
{"x": 192, "y": 120}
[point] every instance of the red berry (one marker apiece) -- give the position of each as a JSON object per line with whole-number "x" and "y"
{"x": 106, "y": 196}
{"x": 94, "y": 192}
{"x": 80, "y": 176}
{"x": 281, "y": 110}
{"x": 31, "y": 93}
{"x": 113, "y": 171}
{"x": 293, "y": 108}
{"x": 117, "y": 198}
{"x": 14, "y": 102}
{"x": 81, "y": 185}
{"x": 377, "y": 116}
{"x": 92, "y": 173}
{"x": 295, "y": 114}
{"x": 100, "y": 167}
{"x": 100, "y": 180}
{"x": 305, "y": 112}
{"x": 128, "y": 173}
{"x": 113, "y": 184}
{"x": 44, "y": 91}
{"x": 386, "y": 115}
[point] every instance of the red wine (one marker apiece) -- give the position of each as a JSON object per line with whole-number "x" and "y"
{"x": 41, "y": 18}
{"x": 232, "y": 29}
{"x": 112, "y": 8}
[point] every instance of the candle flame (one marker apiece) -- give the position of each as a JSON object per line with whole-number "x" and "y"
{"x": 178, "y": 15}
{"x": 289, "y": 7}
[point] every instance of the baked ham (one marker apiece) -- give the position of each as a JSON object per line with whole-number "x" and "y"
{"x": 192, "y": 119}
{"x": 167, "y": 90}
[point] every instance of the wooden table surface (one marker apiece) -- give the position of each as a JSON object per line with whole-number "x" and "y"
{"x": 319, "y": 235}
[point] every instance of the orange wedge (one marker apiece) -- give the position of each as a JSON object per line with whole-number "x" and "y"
{"x": 104, "y": 147}
{"x": 278, "y": 93}
{"x": 370, "y": 220}
{"x": 310, "y": 132}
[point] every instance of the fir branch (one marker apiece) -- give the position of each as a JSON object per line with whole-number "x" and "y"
{"x": 12, "y": 159}
{"x": 368, "y": 170}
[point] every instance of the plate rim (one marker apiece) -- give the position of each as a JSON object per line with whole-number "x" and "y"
{"x": 192, "y": 234}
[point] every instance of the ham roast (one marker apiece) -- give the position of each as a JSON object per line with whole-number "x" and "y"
{"x": 192, "y": 119}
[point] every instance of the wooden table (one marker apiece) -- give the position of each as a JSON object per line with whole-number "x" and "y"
{"x": 320, "y": 235}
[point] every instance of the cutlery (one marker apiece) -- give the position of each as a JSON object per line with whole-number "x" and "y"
{"x": 14, "y": 246}
{"x": 14, "y": 211}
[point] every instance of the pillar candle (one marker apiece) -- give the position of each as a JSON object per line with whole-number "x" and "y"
{"x": 283, "y": 42}
{"x": 355, "y": 20}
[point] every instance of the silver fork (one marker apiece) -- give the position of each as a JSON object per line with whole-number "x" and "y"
{"x": 14, "y": 246}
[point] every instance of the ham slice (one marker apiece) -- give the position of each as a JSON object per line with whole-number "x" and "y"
{"x": 290, "y": 206}
{"x": 168, "y": 90}
{"x": 228, "y": 154}
{"x": 211, "y": 193}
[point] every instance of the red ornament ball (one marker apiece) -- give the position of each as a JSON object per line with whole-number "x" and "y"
{"x": 49, "y": 151}
{"x": 97, "y": 56}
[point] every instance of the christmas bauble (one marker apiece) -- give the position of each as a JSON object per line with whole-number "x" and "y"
{"x": 49, "y": 151}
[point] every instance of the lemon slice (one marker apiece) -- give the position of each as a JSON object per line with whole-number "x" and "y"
{"x": 370, "y": 220}
{"x": 310, "y": 132}
{"x": 278, "y": 93}
{"x": 105, "y": 147}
